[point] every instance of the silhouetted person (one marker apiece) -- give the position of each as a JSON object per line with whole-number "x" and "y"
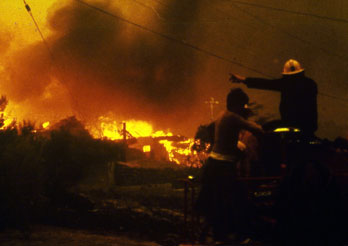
{"x": 298, "y": 103}
{"x": 222, "y": 199}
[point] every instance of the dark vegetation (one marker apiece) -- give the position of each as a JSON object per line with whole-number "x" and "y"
{"x": 38, "y": 166}
{"x": 64, "y": 177}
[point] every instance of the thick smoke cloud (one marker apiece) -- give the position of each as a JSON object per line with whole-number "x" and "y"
{"x": 5, "y": 41}
{"x": 120, "y": 68}
{"x": 101, "y": 64}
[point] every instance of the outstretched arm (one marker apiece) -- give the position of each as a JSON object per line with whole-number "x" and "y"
{"x": 257, "y": 83}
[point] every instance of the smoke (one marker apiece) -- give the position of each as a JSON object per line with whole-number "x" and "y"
{"x": 5, "y": 41}
{"x": 99, "y": 64}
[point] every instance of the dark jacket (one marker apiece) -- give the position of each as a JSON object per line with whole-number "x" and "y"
{"x": 298, "y": 103}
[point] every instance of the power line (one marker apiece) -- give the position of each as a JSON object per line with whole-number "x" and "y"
{"x": 162, "y": 35}
{"x": 224, "y": 20}
{"x": 296, "y": 37}
{"x": 227, "y": 19}
{"x": 333, "y": 97}
{"x": 149, "y": 7}
{"x": 27, "y": 7}
{"x": 280, "y": 29}
{"x": 275, "y": 27}
{"x": 53, "y": 60}
{"x": 182, "y": 42}
{"x": 292, "y": 11}
{"x": 209, "y": 53}
{"x": 290, "y": 34}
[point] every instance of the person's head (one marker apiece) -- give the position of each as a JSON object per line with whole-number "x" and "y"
{"x": 292, "y": 67}
{"x": 236, "y": 100}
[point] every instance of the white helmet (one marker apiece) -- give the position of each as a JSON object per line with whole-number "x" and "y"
{"x": 292, "y": 67}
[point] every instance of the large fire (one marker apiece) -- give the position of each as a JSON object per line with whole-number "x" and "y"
{"x": 179, "y": 149}
{"x": 109, "y": 128}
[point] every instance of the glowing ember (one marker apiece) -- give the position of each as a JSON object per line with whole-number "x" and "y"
{"x": 146, "y": 148}
{"x": 45, "y": 125}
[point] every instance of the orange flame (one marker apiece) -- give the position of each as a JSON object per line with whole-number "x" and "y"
{"x": 7, "y": 119}
{"x": 178, "y": 151}
{"x": 113, "y": 130}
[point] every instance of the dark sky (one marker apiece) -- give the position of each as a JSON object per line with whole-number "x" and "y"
{"x": 108, "y": 65}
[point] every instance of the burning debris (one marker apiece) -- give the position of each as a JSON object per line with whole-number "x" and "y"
{"x": 160, "y": 145}
{"x": 141, "y": 135}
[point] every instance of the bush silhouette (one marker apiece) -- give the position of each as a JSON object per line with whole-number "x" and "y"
{"x": 44, "y": 165}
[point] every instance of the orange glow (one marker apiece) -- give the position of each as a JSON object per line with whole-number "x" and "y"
{"x": 7, "y": 122}
{"x": 178, "y": 151}
{"x": 146, "y": 148}
{"x": 139, "y": 128}
{"x": 45, "y": 125}
{"x": 170, "y": 149}
{"x": 7, "y": 117}
{"x": 109, "y": 128}
{"x": 15, "y": 19}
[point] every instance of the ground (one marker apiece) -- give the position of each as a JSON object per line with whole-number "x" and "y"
{"x": 54, "y": 236}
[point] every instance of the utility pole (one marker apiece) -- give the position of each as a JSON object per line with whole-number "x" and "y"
{"x": 124, "y": 145}
{"x": 124, "y": 132}
{"x": 212, "y": 102}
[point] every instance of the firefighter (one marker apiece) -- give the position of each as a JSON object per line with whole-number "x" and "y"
{"x": 298, "y": 104}
{"x": 222, "y": 199}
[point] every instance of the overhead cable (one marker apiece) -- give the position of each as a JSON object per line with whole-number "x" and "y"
{"x": 333, "y": 97}
{"x": 290, "y": 34}
{"x": 291, "y": 11}
{"x": 149, "y": 7}
{"x": 224, "y": 20}
{"x": 179, "y": 41}
{"x": 209, "y": 53}
{"x": 53, "y": 60}
{"x": 27, "y": 7}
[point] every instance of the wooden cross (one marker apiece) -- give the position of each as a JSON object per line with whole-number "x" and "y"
{"x": 212, "y": 102}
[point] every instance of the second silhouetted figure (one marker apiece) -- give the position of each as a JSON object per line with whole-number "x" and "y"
{"x": 298, "y": 103}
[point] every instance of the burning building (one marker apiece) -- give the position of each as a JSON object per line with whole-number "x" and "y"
{"x": 156, "y": 145}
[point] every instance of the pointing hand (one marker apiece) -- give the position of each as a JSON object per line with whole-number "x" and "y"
{"x": 235, "y": 78}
